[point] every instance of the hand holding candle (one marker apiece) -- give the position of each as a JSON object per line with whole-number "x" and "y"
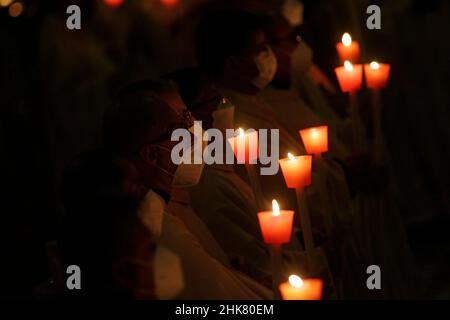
{"x": 376, "y": 75}
{"x": 297, "y": 288}
{"x": 348, "y": 50}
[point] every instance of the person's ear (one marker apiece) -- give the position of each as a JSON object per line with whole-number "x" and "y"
{"x": 148, "y": 154}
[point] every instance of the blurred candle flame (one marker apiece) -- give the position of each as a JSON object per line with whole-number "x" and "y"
{"x": 15, "y": 9}
{"x": 374, "y": 65}
{"x": 275, "y": 208}
{"x": 5, "y": 3}
{"x": 291, "y": 157}
{"x": 113, "y": 3}
{"x": 346, "y": 39}
{"x": 348, "y": 66}
{"x": 295, "y": 281}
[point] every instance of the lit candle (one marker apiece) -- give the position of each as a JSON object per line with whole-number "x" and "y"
{"x": 296, "y": 170}
{"x": 113, "y": 3}
{"x": 349, "y": 77}
{"x": 245, "y": 146}
{"x": 376, "y": 74}
{"x": 348, "y": 50}
{"x": 297, "y": 174}
{"x": 315, "y": 140}
{"x": 276, "y": 225}
{"x": 297, "y": 288}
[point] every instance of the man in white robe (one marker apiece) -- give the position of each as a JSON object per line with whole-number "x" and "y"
{"x": 140, "y": 128}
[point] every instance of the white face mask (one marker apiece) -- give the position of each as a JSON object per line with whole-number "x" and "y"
{"x": 223, "y": 117}
{"x": 293, "y": 12}
{"x": 151, "y": 212}
{"x": 167, "y": 275}
{"x": 267, "y": 66}
{"x": 301, "y": 59}
{"x": 187, "y": 175}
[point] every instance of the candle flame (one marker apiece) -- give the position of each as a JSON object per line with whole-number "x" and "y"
{"x": 291, "y": 157}
{"x": 275, "y": 208}
{"x": 295, "y": 281}
{"x": 374, "y": 65}
{"x": 241, "y": 132}
{"x": 346, "y": 39}
{"x": 348, "y": 66}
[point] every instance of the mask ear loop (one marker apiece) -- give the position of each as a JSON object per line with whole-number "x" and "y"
{"x": 161, "y": 168}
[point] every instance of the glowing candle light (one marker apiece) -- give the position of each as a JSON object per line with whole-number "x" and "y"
{"x": 376, "y": 75}
{"x": 349, "y": 76}
{"x": 15, "y": 10}
{"x": 245, "y": 146}
{"x": 315, "y": 140}
{"x": 296, "y": 170}
{"x": 276, "y": 225}
{"x": 169, "y": 3}
{"x": 297, "y": 288}
{"x": 348, "y": 49}
{"x": 297, "y": 174}
{"x": 113, "y": 3}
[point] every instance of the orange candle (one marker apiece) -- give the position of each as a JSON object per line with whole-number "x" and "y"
{"x": 297, "y": 289}
{"x": 296, "y": 170}
{"x": 349, "y": 77}
{"x": 315, "y": 139}
{"x": 348, "y": 50}
{"x": 276, "y": 225}
{"x": 245, "y": 146}
{"x": 376, "y": 75}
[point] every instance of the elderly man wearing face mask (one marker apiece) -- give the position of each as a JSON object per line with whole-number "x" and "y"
{"x": 139, "y": 127}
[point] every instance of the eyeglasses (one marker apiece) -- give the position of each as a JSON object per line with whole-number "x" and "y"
{"x": 186, "y": 122}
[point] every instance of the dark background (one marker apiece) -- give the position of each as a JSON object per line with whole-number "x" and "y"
{"x": 55, "y": 84}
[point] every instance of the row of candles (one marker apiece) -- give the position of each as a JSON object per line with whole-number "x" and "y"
{"x": 350, "y": 77}
{"x": 276, "y": 225}
{"x": 350, "y": 74}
